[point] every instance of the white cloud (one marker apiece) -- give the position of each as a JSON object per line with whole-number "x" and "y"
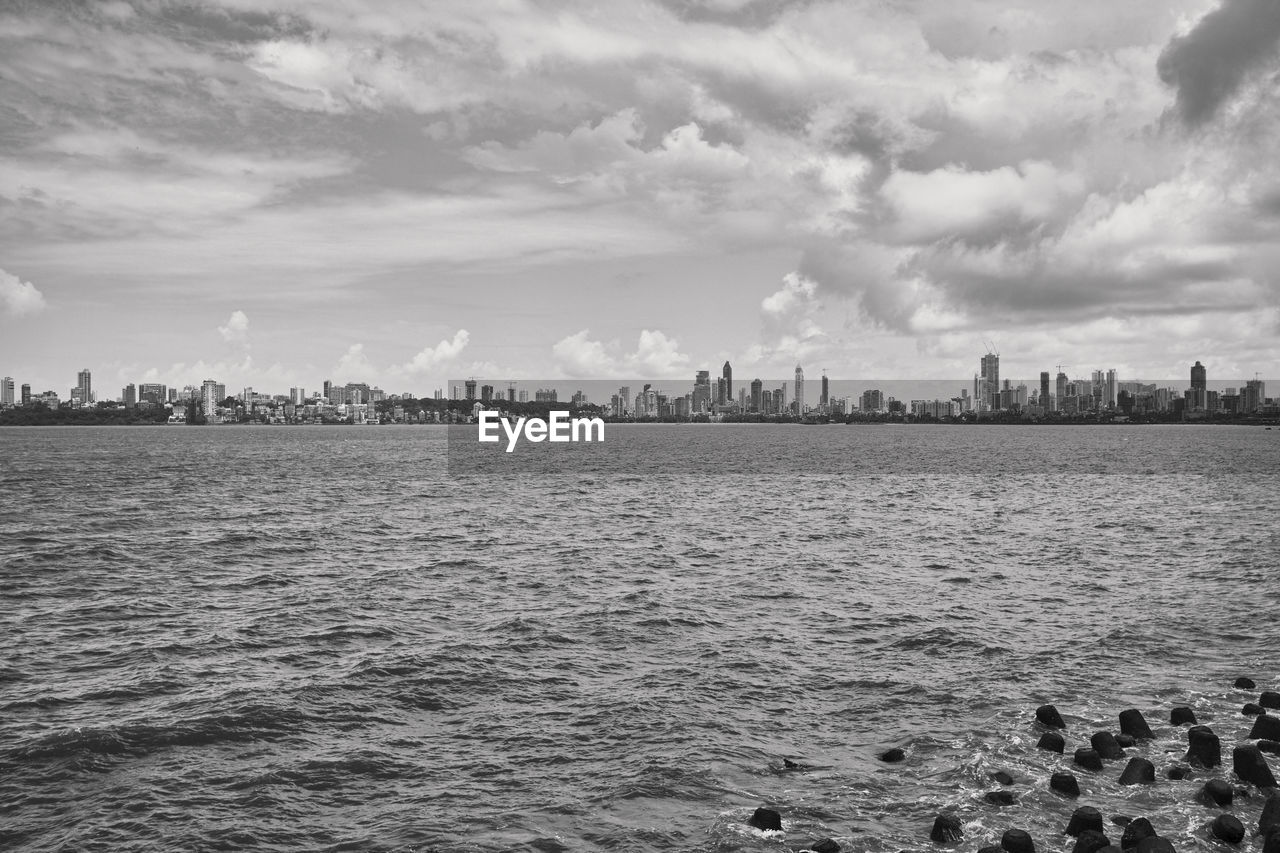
{"x": 19, "y": 298}
{"x": 438, "y": 356}
{"x": 354, "y": 366}
{"x": 656, "y": 356}
{"x": 237, "y": 328}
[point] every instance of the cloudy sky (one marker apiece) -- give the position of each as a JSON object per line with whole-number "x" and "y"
{"x": 278, "y": 193}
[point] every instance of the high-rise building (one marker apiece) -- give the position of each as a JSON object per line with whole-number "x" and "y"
{"x": 757, "y": 395}
{"x": 297, "y": 396}
{"x": 1111, "y": 389}
{"x": 129, "y": 395}
{"x": 1044, "y": 390}
{"x": 799, "y": 394}
{"x": 989, "y": 386}
{"x": 470, "y": 385}
{"x": 722, "y": 391}
{"x": 1198, "y": 376}
{"x": 727, "y": 373}
{"x": 84, "y": 384}
{"x": 824, "y": 398}
{"x": 1255, "y": 396}
{"x": 210, "y": 398}
{"x": 6, "y": 392}
{"x": 153, "y": 392}
{"x": 1061, "y": 382}
{"x": 872, "y": 400}
{"x": 26, "y": 394}
{"x": 486, "y": 393}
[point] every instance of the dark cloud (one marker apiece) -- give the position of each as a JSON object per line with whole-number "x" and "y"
{"x": 1209, "y": 64}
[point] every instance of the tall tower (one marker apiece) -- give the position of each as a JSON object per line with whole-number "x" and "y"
{"x": 1198, "y": 376}
{"x": 1061, "y": 382}
{"x": 727, "y": 373}
{"x": 6, "y": 392}
{"x": 799, "y": 395}
{"x": 84, "y": 382}
{"x": 1044, "y": 390}
{"x": 991, "y": 379}
{"x": 757, "y": 393}
{"x": 824, "y": 399}
{"x": 1112, "y": 388}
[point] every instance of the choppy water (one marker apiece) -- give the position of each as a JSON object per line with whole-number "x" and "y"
{"x": 315, "y": 639}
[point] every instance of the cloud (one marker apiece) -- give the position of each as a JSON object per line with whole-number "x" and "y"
{"x": 237, "y": 328}
{"x": 656, "y": 356}
{"x": 1209, "y": 64}
{"x": 354, "y": 365}
{"x": 433, "y": 358}
{"x": 19, "y": 298}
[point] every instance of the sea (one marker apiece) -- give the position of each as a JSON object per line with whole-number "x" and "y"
{"x": 331, "y": 638}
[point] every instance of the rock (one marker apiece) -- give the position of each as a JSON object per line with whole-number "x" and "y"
{"x": 1156, "y": 844}
{"x": 1266, "y": 726}
{"x": 946, "y": 828}
{"x": 1002, "y": 777}
{"x": 992, "y": 848}
{"x": 1245, "y": 683}
{"x": 1053, "y": 742}
{"x": 1065, "y": 784}
{"x": 826, "y": 845}
{"x": 1049, "y": 716}
{"x": 1136, "y": 831}
{"x": 1269, "y": 699}
{"x": 1088, "y": 759}
{"x": 1090, "y": 841}
{"x": 1104, "y": 743}
{"x": 1181, "y": 716}
{"x": 1177, "y": 771}
{"x": 1138, "y": 771}
{"x": 1270, "y": 746}
{"x": 1252, "y": 709}
{"x": 1000, "y": 798}
{"x": 1017, "y": 841}
{"x": 1133, "y": 723}
{"x": 766, "y": 819}
{"x": 1204, "y": 749}
{"x": 1216, "y": 793}
{"x": 1121, "y": 820}
{"x": 1227, "y": 828}
{"x": 1251, "y": 766}
{"x": 1110, "y": 848}
{"x": 1272, "y": 844}
{"x": 893, "y": 756}
{"x": 1126, "y": 741}
{"x": 1085, "y": 817}
{"x": 1269, "y": 822}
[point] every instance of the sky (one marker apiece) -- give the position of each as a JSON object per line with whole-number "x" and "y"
{"x": 273, "y": 194}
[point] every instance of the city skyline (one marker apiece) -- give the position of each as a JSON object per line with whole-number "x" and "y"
{"x": 867, "y": 188}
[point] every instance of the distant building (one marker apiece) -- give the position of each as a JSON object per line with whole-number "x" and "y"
{"x": 6, "y": 392}
{"x": 84, "y": 385}
{"x": 153, "y": 392}
{"x": 824, "y": 398}
{"x": 470, "y": 385}
{"x": 757, "y": 395}
{"x": 1044, "y": 390}
{"x": 486, "y": 393}
{"x": 209, "y": 399}
{"x": 1254, "y": 396}
{"x": 799, "y": 392}
{"x": 872, "y": 401}
{"x": 543, "y": 395}
{"x": 722, "y": 391}
{"x": 129, "y": 395}
{"x": 578, "y": 400}
{"x": 988, "y": 391}
{"x": 26, "y": 394}
{"x": 1199, "y": 378}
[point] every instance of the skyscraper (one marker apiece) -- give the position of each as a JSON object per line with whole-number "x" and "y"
{"x": 1111, "y": 389}
{"x": 6, "y": 392}
{"x": 990, "y": 374}
{"x": 1044, "y": 390}
{"x": 1061, "y": 382}
{"x": 727, "y": 373}
{"x": 757, "y": 395}
{"x": 722, "y": 391}
{"x": 209, "y": 399}
{"x": 799, "y": 395}
{"x": 824, "y": 399}
{"x": 1198, "y": 376}
{"x": 26, "y": 394}
{"x": 84, "y": 384}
